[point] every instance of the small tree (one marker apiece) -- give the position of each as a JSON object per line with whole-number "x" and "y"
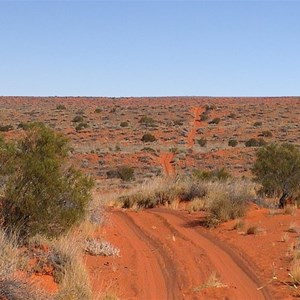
{"x": 43, "y": 193}
{"x": 277, "y": 168}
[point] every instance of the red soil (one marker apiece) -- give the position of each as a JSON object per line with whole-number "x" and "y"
{"x": 165, "y": 160}
{"x": 166, "y": 255}
{"x": 197, "y": 111}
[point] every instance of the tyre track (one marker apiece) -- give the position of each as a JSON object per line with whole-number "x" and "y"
{"x": 232, "y": 268}
{"x": 197, "y": 111}
{"x": 154, "y": 263}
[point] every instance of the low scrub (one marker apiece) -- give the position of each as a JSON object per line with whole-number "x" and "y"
{"x": 255, "y": 142}
{"x": 14, "y": 289}
{"x": 228, "y": 200}
{"x": 125, "y": 173}
{"x": 214, "y": 175}
{"x": 148, "y": 137}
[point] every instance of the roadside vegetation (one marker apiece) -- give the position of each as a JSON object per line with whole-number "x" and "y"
{"x": 47, "y": 215}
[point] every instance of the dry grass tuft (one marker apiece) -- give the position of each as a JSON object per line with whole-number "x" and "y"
{"x": 227, "y": 200}
{"x": 295, "y": 272}
{"x": 10, "y": 257}
{"x": 12, "y": 289}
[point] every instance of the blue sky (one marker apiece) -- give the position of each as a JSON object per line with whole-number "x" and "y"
{"x": 150, "y": 48}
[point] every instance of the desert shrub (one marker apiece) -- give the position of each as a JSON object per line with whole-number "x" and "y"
{"x": 255, "y": 142}
{"x": 228, "y": 200}
{"x": 257, "y": 124}
{"x": 81, "y": 125}
{"x": 5, "y": 128}
{"x": 148, "y": 137}
{"x": 232, "y": 143}
{"x": 148, "y": 121}
{"x": 77, "y": 119}
{"x": 191, "y": 190}
{"x": 100, "y": 247}
{"x": 202, "y": 142}
{"x": 98, "y": 110}
{"x": 61, "y": 107}
{"x": 124, "y": 172}
{"x": 215, "y": 121}
{"x": 217, "y": 174}
{"x": 266, "y": 133}
{"x": 139, "y": 200}
{"x": 277, "y": 168}
{"x": 124, "y": 124}
{"x": 43, "y": 194}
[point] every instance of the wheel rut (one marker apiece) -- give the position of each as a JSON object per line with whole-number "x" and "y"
{"x": 233, "y": 269}
{"x": 172, "y": 257}
{"x": 156, "y": 267}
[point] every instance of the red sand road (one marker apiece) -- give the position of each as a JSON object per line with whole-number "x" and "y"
{"x": 196, "y": 124}
{"x": 169, "y": 258}
{"x": 165, "y": 160}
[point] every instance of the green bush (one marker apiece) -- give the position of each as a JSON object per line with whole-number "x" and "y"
{"x": 232, "y": 143}
{"x": 43, "y": 194}
{"x": 277, "y": 168}
{"x": 148, "y": 137}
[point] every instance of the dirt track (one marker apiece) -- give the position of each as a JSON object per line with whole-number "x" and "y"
{"x": 197, "y": 111}
{"x": 173, "y": 257}
{"x": 165, "y": 160}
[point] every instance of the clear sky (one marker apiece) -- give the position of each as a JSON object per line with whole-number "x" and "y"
{"x": 150, "y": 48}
